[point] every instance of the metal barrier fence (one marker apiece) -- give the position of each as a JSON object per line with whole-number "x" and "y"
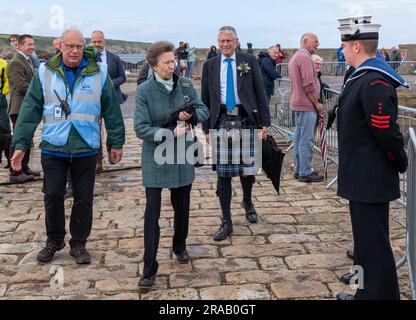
{"x": 411, "y": 212}
{"x": 338, "y": 68}
{"x": 283, "y": 122}
{"x": 283, "y": 118}
{"x": 132, "y": 68}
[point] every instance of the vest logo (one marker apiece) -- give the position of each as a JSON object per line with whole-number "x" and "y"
{"x": 86, "y": 85}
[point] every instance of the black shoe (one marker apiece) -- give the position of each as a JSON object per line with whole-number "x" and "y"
{"x": 225, "y": 230}
{"x": 184, "y": 257}
{"x": 350, "y": 254}
{"x": 251, "y": 214}
{"x": 30, "y": 172}
{"x": 48, "y": 252}
{"x": 313, "y": 177}
{"x": 81, "y": 255}
{"x": 20, "y": 178}
{"x": 296, "y": 176}
{"x": 345, "y": 296}
{"x": 147, "y": 282}
{"x": 346, "y": 278}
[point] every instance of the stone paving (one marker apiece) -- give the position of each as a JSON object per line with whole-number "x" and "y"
{"x": 296, "y": 251}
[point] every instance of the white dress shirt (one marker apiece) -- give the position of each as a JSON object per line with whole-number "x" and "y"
{"x": 103, "y": 55}
{"x": 223, "y": 86}
{"x": 25, "y": 56}
{"x": 29, "y": 61}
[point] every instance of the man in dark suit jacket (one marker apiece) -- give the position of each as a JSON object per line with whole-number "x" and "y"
{"x": 230, "y": 107}
{"x": 117, "y": 75}
{"x": 115, "y": 66}
{"x": 20, "y": 73}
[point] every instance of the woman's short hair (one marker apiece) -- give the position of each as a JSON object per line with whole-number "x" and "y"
{"x": 316, "y": 58}
{"x": 270, "y": 49}
{"x": 156, "y": 49}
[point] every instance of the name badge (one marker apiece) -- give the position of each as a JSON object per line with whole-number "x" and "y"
{"x": 57, "y": 113}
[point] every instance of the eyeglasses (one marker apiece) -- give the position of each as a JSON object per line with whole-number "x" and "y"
{"x": 71, "y": 47}
{"x": 13, "y": 40}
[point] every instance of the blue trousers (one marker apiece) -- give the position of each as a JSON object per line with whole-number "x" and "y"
{"x": 303, "y": 147}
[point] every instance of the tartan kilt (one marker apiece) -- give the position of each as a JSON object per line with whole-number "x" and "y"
{"x": 229, "y": 160}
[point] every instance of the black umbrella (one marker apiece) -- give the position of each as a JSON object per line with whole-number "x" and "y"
{"x": 272, "y": 161}
{"x": 272, "y": 156}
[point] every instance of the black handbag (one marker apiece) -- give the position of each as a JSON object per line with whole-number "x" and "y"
{"x": 197, "y": 144}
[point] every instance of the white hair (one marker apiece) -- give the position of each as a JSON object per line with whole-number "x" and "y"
{"x": 316, "y": 58}
{"x": 228, "y": 30}
{"x": 72, "y": 30}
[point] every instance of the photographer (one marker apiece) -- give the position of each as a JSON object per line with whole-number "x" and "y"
{"x": 157, "y": 100}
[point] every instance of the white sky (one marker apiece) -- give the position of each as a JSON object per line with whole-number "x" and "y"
{"x": 263, "y": 23}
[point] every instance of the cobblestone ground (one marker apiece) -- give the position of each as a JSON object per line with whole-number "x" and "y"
{"x": 296, "y": 251}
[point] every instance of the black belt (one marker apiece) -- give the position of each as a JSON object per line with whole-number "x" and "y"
{"x": 225, "y": 106}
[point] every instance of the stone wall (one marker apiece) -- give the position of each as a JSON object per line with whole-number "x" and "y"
{"x": 326, "y": 54}
{"x": 329, "y": 55}
{"x": 411, "y": 51}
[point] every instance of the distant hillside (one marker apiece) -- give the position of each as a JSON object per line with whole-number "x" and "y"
{"x": 44, "y": 46}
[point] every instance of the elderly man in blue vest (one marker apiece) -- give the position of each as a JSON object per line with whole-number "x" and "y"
{"x": 70, "y": 93}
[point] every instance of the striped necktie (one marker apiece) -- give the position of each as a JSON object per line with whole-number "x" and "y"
{"x": 31, "y": 65}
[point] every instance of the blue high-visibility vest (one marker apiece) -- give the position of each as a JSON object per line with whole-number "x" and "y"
{"x": 84, "y": 102}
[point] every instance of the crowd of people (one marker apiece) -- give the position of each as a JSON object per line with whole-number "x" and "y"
{"x": 76, "y": 93}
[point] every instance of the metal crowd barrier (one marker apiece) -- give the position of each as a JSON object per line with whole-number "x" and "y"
{"x": 281, "y": 114}
{"x": 335, "y": 69}
{"x": 283, "y": 117}
{"x": 283, "y": 122}
{"x": 132, "y": 68}
{"x": 411, "y": 213}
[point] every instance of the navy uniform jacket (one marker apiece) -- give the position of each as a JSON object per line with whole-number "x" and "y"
{"x": 371, "y": 148}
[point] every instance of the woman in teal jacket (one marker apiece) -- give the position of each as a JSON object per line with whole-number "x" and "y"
{"x": 156, "y": 100}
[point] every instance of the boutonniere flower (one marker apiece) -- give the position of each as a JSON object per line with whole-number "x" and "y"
{"x": 244, "y": 68}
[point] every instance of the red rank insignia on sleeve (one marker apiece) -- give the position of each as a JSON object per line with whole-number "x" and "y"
{"x": 380, "y": 122}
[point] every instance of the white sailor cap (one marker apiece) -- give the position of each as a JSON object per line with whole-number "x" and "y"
{"x": 358, "y": 28}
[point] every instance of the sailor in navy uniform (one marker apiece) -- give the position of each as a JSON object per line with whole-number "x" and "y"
{"x": 371, "y": 155}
